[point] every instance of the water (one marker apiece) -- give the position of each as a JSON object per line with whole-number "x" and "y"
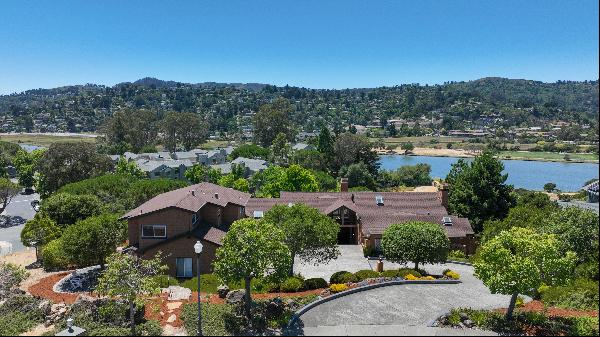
{"x": 531, "y": 175}
{"x": 29, "y": 147}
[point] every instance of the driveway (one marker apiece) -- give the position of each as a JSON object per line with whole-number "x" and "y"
{"x": 351, "y": 259}
{"x": 405, "y": 309}
{"x": 20, "y": 206}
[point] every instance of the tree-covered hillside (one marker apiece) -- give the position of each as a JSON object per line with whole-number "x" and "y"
{"x": 229, "y": 107}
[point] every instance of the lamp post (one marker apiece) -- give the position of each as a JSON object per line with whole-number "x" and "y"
{"x": 198, "y": 250}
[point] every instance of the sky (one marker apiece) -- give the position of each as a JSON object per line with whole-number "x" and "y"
{"x": 315, "y": 44}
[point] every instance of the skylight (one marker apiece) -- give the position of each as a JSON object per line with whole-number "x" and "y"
{"x": 258, "y": 214}
{"x": 379, "y": 200}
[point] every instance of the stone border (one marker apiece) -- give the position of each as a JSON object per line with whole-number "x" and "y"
{"x": 56, "y": 287}
{"x": 322, "y": 300}
{"x": 374, "y": 258}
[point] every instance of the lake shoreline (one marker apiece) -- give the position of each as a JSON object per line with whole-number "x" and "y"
{"x": 459, "y": 153}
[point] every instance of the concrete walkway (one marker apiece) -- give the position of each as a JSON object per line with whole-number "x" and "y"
{"x": 396, "y": 310}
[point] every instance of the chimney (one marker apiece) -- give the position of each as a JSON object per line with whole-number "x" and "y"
{"x": 344, "y": 185}
{"x": 443, "y": 190}
{"x": 193, "y": 193}
{"x": 216, "y": 195}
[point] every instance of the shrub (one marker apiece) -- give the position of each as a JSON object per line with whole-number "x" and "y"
{"x": 315, "y": 283}
{"x": 457, "y": 254}
{"x": 365, "y": 274}
{"x": 53, "y": 256}
{"x": 19, "y": 314}
{"x": 292, "y": 285}
{"x": 410, "y": 277}
{"x": 390, "y": 273}
{"x": 208, "y": 283}
{"x": 584, "y": 326}
{"x": 451, "y": 274}
{"x": 580, "y": 294}
{"x": 337, "y": 288}
{"x": 370, "y": 251}
{"x": 149, "y": 328}
{"x": 405, "y": 271}
{"x": 164, "y": 281}
{"x": 342, "y": 277}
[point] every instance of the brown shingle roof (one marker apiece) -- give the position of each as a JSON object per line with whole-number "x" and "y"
{"x": 398, "y": 207}
{"x": 191, "y": 198}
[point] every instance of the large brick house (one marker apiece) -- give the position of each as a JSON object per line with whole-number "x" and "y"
{"x": 172, "y": 222}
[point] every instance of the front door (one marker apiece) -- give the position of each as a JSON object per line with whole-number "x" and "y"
{"x": 347, "y": 236}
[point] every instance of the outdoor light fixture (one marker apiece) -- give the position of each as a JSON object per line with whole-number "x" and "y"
{"x": 198, "y": 250}
{"x": 70, "y": 324}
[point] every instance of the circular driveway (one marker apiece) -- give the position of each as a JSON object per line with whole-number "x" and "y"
{"x": 412, "y": 305}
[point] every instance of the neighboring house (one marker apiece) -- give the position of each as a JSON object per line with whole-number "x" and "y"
{"x": 252, "y": 165}
{"x": 186, "y": 155}
{"x": 174, "y": 169}
{"x": 303, "y": 146}
{"x": 213, "y": 157}
{"x": 173, "y": 221}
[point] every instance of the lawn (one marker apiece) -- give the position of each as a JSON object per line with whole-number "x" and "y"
{"x": 43, "y": 140}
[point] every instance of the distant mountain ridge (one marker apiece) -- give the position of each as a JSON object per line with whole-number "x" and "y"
{"x": 153, "y": 82}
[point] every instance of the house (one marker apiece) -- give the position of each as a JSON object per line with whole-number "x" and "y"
{"x": 172, "y": 222}
{"x": 212, "y": 157}
{"x": 186, "y": 155}
{"x": 252, "y": 165}
{"x": 174, "y": 169}
{"x": 303, "y": 146}
{"x": 592, "y": 190}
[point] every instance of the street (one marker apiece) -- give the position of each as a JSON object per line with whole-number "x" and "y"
{"x": 20, "y": 206}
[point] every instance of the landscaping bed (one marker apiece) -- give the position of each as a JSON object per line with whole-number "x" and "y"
{"x": 524, "y": 322}
{"x": 45, "y": 289}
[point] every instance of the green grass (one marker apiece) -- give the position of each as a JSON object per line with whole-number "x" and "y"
{"x": 547, "y": 156}
{"x": 43, "y": 140}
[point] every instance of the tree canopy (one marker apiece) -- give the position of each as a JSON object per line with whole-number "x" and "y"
{"x": 309, "y": 234}
{"x": 272, "y": 119}
{"x": 478, "y": 190}
{"x": 183, "y": 129}
{"x": 415, "y": 241}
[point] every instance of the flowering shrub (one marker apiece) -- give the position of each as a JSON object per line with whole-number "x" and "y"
{"x": 336, "y": 288}
{"x": 410, "y": 277}
{"x": 451, "y": 274}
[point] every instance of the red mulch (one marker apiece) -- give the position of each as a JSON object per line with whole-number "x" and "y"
{"x": 537, "y": 306}
{"x": 44, "y": 287}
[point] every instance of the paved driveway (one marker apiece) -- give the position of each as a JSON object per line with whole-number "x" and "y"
{"x": 351, "y": 259}
{"x": 402, "y": 308}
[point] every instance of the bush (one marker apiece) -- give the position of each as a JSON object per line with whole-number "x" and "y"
{"x": 580, "y": 294}
{"x": 405, "y": 271}
{"x": 457, "y": 254}
{"x": 149, "y": 328}
{"x": 315, "y": 283}
{"x": 19, "y": 314}
{"x": 365, "y": 274}
{"x": 164, "y": 281}
{"x": 342, "y": 277}
{"x": 208, "y": 283}
{"x": 451, "y": 274}
{"x": 337, "y": 288}
{"x": 53, "y": 256}
{"x": 584, "y": 326}
{"x": 390, "y": 273}
{"x": 292, "y": 285}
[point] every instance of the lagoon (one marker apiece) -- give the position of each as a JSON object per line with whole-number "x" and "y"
{"x": 530, "y": 175}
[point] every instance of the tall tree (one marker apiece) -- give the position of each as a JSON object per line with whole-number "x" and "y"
{"x": 273, "y": 119}
{"x": 478, "y": 190}
{"x": 130, "y": 129}
{"x": 252, "y": 248}
{"x": 519, "y": 259}
{"x": 325, "y": 143}
{"x": 39, "y": 231}
{"x": 26, "y": 165}
{"x": 309, "y": 234}
{"x": 280, "y": 150}
{"x": 68, "y": 162}
{"x": 349, "y": 149}
{"x": 183, "y": 128}
{"x": 8, "y": 190}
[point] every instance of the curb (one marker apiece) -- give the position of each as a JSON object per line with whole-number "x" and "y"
{"x": 373, "y": 258}
{"x": 331, "y": 297}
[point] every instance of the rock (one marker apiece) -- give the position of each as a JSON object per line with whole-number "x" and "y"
{"x": 222, "y": 291}
{"x": 463, "y": 316}
{"x": 177, "y": 293}
{"x": 171, "y": 318}
{"x": 292, "y": 305}
{"x": 45, "y": 306}
{"x": 469, "y": 323}
{"x": 235, "y": 296}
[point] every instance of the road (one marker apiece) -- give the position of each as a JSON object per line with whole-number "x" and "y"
{"x": 20, "y": 206}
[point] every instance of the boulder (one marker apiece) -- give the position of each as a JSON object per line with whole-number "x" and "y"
{"x": 463, "y": 316}
{"x": 177, "y": 293}
{"x": 469, "y": 323}
{"x": 222, "y": 291}
{"x": 235, "y": 296}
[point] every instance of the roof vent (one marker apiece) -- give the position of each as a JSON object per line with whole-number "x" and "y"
{"x": 216, "y": 195}
{"x": 379, "y": 200}
{"x": 257, "y": 214}
{"x": 193, "y": 193}
{"x": 290, "y": 204}
{"x": 447, "y": 221}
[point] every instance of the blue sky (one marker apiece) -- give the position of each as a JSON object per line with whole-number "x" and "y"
{"x": 316, "y": 44}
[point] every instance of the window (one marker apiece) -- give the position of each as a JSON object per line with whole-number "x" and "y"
{"x": 378, "y": 244}
{"x": 184, "y": 267}
{"x": 154, "y": 231}
{"x": 242, "y": 212}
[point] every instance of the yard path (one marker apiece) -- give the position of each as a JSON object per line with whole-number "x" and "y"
{"x": 409, "y": 308}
